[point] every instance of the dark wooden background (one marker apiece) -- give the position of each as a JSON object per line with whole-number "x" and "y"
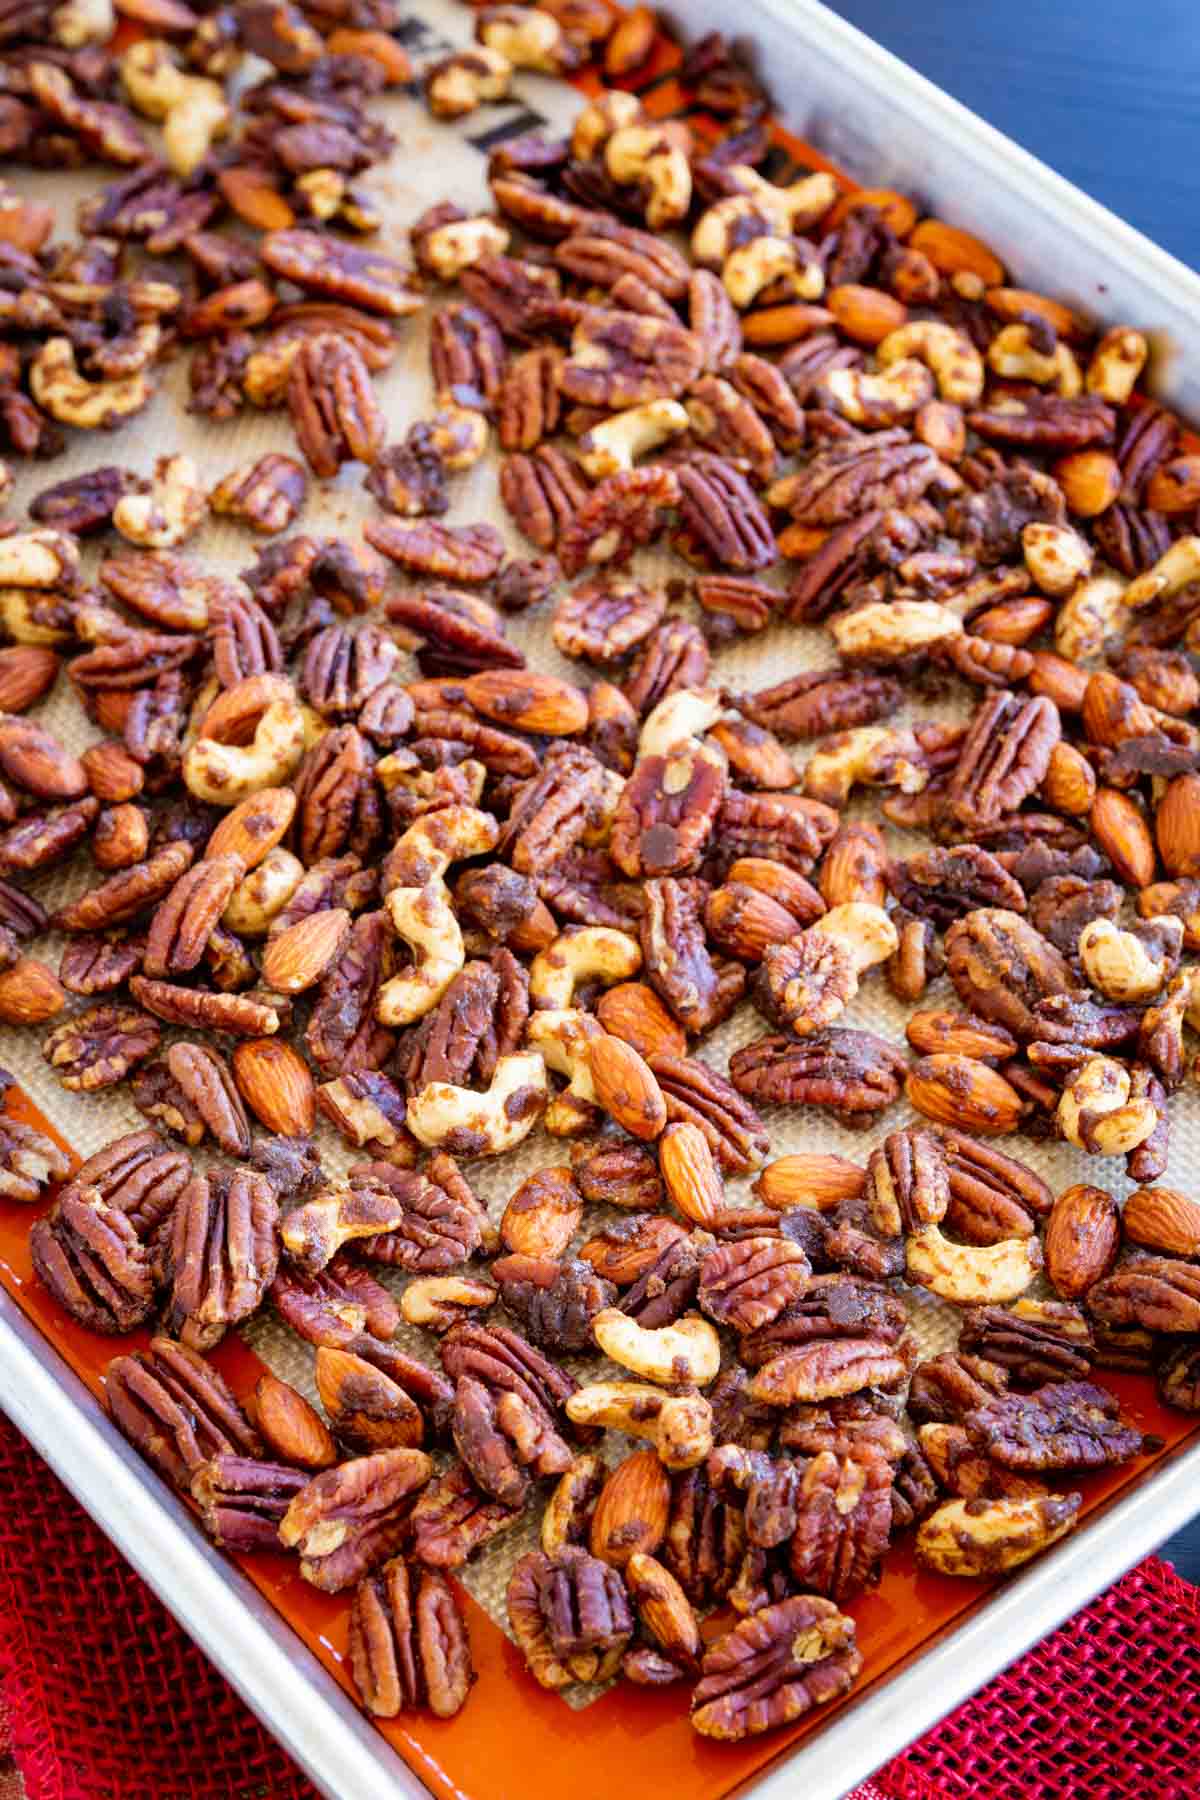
{"x": 1105, "y": 92}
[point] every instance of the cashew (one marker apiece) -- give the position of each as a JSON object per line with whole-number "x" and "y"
{"x": 616, "y": 443}
{"x": 971, "y": 1274}
{"x": 892, "y": 629}
{"x": 436, "y": 840}
{"x": 875, "y": 755}
{"x": 678, "y": 1425}
{"x": 462, "y": 83}
{"x": 1096, "y": 1113}
{"x": 735, "y": 219}
{"x": 33, "y": 616}
{"x": 450, "y": 249}
{"x": 985, "y": 1537}
{"x": 175, "y": 507}
{"x": 152, "y": 78}
{"x": 423, "y": 918}
{"x": 1117, "y": 361}
{"x": 1012, "y": 355}
{"x": 224, "y": 773}
{"x": 323, "y": 191}
{"x": 192, "y": 108}
{"x": 38, "y": 559}
{"x": 864, "y": 931}
{"x": 1176, "y": 569}
{"x": 1056, "y": 557}
{"x": 752, "y": 267}
{"x": 955, "y": 363}
{"x": 61, "y": 391}
{"x": 583, "y": 953}
{"x": 1091, "y": 618}
{"x": 797, "y": 206}
{"x": 687, "y": 713}
{"x": 563, "y": 1037}
{"x": 608, "y": 112}
{"x": 439, "y": 1301}
{"x": 645, "y": 155}
{"x": 262, "y": 895}
{"x": 192, "y": 125}
{"x": 80, "y": 22}
{"x": 1128, "y": 966}
{"x": 488, "y": 1124}
{"x": 359, "y": 1117}
{"x": 688, "y": 1351}
{"x": 879, "y": 399}
{"x": 526, "y": 36}
{"x": 458, "y": 434}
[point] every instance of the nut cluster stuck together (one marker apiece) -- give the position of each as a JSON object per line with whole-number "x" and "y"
{"x": 347, "y": 862}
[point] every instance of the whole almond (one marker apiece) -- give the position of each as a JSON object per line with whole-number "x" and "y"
{"x": 1163, "y": 1219}
{"x": 632, "y": 1509}
{"x": 521, "y": 699}
{"x": 1177, "y": 827}
{"x": 785, "y": 886}
{"x": 253, "y": 196}
{"x": 854, "y": 866}
{"x": 27, "y": 672}
{"x": 663, "y": 1608}
{"x": 254, "y": 826}
{"x": 745, "y": 922}
{"x": 634, "y": 1013}
{"x": 543, "y": 1215}
{"x": 809, "y": 1179}
{"x": 1054, "y": 678}
{"x": 1012, "y": 621}
{"x": 300, "y": 955}
{"x": 293, "y": 1430}
{"x": 113, "y": 774}
{"x": 1113, "y": 710}
{"x": 631, "y": 43}
{"x": 1090, "y": 481}
{"x": 626, "y": 1087}
{"x": 1083, "y": 1235}
{"x": 30, "y": 993}
{"x": 866, "y": 314}
{"x": 1121, "y": 832}
{"x": 33, "y": 758}
{"x": 956, "y": 252}
{"x": 1015, "y": 305}
{"x": 1069, "y": 784}
{"x": 1174, "y": 486}
{"x": 959, "y": 1034}
{"x": 277, "y": 1086}
{"x": 691, "y": 1174}
{"x": 961, "y": 1091}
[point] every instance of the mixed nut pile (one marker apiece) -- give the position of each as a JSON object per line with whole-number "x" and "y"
{"x": 444, "y": 905}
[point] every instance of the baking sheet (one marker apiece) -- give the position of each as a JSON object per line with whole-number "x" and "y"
{"x": 437, "y": 161}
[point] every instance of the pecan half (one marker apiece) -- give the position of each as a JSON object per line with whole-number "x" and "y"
{"x": 774, "y": 1667}
{"x": 224, "y": 1253}
{"x": 177, "y": 1410}
{"x": 242, "y": 1500}
{"x": 90, "y": 1257}
{"x": 852, "y": 1072}
{"x": 349, "y": 1520}
{"x": 1065, "y": 1425}
{"x": 98, "y": 1047}
{"x": 408, "y": 1643}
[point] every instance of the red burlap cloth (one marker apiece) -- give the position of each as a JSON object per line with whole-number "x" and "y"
{"x": 105, "y": 1698}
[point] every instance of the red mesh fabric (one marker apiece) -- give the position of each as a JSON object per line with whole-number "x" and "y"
{"x": 107, "y": 1699}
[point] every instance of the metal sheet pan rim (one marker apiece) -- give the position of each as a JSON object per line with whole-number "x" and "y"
{"x": 254, "y": 1648}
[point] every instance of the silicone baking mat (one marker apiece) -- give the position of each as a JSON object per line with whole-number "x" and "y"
{"x": 512, "y": 1732}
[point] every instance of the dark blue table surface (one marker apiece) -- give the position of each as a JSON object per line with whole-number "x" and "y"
{"x": 1105, "y": 92}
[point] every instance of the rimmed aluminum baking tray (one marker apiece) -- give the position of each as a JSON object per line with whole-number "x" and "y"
{"x": 883, "y": 125}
